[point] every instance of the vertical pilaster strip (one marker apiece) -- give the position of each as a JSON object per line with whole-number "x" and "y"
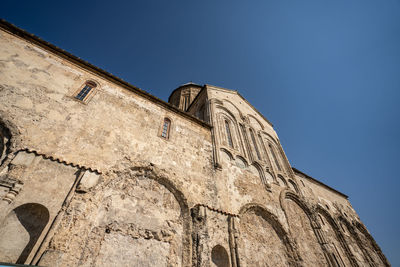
{"x": 215, "y": 141}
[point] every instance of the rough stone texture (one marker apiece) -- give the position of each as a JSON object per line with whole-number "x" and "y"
{"x": 94, "y": 182}
{"x": 258, "y": 237}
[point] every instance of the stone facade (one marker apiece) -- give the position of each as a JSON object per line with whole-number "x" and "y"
{"x": 113, "y": 176}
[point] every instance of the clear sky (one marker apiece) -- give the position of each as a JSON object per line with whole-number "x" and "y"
{"x": 325, "y": 73}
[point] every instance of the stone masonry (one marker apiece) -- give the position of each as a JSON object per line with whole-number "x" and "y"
{"x": 97, "y": 172}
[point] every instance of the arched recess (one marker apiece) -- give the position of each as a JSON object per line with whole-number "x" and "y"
{"x": 255, "y": 122}
{"x": 354, "y": 243}
{"x": 263, "y": 241}
{"x": 219, "y": 257}
{"x": 336, "y": 240}
{"x": 224, "y": 116}
{"x": 141, "y": 219}
{"x": 257, "y": 170}
{"x": 370, "y": 245}
{"x": 292, "y": 185}
{"x": 21, "y": 230}
{"x": 241, "y": 162}
{"x": 282, "y": 181}
{"x": 230, "y": 106}
{"x": 303, "y": 230}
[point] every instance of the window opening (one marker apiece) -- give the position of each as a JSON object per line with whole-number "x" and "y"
{"x": 228, "y": 134}
{"x": 275, "y": 158}
{"x": 165, "y": 129}
{"x": 255, "y": 144}
{"x": 83, "y": 93}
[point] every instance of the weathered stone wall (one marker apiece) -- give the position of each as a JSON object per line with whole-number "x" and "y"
{"x": 105, "y": 188}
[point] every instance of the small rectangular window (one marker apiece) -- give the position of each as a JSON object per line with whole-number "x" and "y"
{"x": 165, "y": 128}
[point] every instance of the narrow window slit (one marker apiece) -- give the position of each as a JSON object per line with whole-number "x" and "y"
{"x": 228, "y": 134}
{"x": 165, "y": 128}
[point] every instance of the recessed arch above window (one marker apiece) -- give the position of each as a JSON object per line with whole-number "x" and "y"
{"x": 166, "y": 126}
{"x": 86, "y": 91}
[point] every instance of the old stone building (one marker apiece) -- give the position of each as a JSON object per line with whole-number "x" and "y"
{"x": 96, "y": 172}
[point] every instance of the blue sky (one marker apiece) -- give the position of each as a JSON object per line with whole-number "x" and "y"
{"x": 326, "y": 73}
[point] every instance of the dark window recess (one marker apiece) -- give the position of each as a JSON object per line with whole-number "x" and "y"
{"x": 165, "y": 129}
{"x": 228, "y": 134}
{"x": 255, "y": 144}
{"x": 85, "y": 91}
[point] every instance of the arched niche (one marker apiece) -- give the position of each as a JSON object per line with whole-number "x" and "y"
{"x": 341, "y": 253}
{"x": 143, "y": 220}
{"x": 255, "y": 122}
{"x": 263, "y": 241}
{"x": 300, "y": 224}
{"x": 268, "y": 176}
{"x": 257, "y": 170}
{"x": 354, "y": 243}
{"x": 240, "y": 162}
{"x": 282, "y": 181}
{"x": 370, "y": 245}
{"x": 225, "y": 117}
{"x": 232, "y": 107}
{"x": 226, "y": 156}
{"x": 219, "y": 257}
{"x": 21, "y": 230}
{"x": 293, "y": 186}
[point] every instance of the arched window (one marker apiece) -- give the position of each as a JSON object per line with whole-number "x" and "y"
{"x": 165, "y": 128}
{"x": 228, "y": 134}
{"x": 255, "y": 144}
{"x": 85, "y": 91}
{"x": 275, "y": 158}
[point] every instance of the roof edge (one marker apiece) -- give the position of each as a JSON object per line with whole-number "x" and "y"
{"x": 11, "y": 28}
{"x": 320, "y": 183}
{"x": 237, "y": 92}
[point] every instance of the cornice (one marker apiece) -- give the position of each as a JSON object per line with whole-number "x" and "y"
{"x": 319, "y": 182}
